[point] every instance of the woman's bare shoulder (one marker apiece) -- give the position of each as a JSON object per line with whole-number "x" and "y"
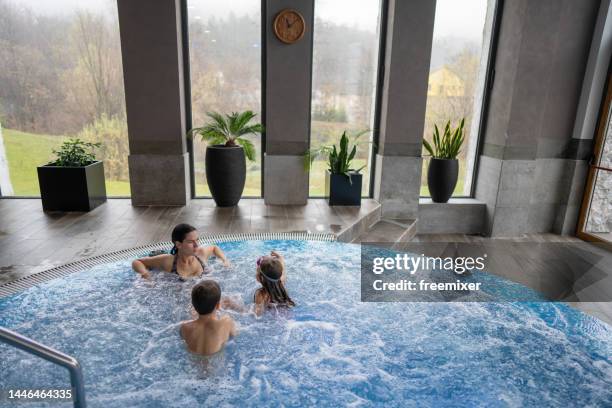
{"x": 163, "y": 261}
{"x": 206, "y": 251}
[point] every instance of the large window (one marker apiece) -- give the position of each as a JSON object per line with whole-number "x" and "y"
{"x": 345, "y": 59}
{"x": 595, "y": 223}
{"x": 60, "y": 77}
{"x": 455, "y": 79}
{"x": 225, "y": 64}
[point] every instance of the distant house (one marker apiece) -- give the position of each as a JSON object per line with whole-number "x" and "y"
{"x": 444, "y": 82}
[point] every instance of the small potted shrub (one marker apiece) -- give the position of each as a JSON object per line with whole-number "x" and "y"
{"x": 74, "y": 181}
{"x": 342, "y": 183}
{"x": 444, "y": 166}
{"x": 225, "y": 154}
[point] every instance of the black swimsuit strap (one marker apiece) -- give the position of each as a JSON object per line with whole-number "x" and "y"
{"x": 175, "y": 270}
{"x": 202, "y": 264}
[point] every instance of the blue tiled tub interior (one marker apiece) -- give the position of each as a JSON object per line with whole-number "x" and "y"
{"x": 330, "y": 350}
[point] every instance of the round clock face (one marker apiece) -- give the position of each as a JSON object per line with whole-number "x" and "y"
{"x": 289, "y": 26}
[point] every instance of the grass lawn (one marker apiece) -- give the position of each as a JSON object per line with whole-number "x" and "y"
{"x": 26, "y": 151}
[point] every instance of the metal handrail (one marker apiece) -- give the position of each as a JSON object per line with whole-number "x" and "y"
{"x": 52, "y": 355}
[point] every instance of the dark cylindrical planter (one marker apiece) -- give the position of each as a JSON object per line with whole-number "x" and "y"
{"x": 442, "y": 178}
{"x": 225, "y": 173}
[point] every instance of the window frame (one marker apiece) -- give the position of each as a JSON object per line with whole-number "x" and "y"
{"x": 188, "y": 106}
{"x": 378, "y": 96}
{"x": 599, "y": 139}
{"x": 34, "y": 197}
{"x": 488, "y": 80}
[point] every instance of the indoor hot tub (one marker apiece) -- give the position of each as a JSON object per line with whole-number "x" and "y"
{"x": 329, "y": 350}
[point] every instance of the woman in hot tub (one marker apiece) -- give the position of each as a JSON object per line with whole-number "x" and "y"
{"x": 186, "y": 259}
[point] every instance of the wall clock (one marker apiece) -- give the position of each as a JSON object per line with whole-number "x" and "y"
{"x": 289, "y": 26}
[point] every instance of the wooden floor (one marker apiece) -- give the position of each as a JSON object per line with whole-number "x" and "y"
{"x": 32, "y": 241}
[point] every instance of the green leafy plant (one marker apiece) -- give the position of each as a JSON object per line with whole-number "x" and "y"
{"x": 229, "y": 130}
{"x": 338, "y": 158}
{"x": 75, "y": 153}
{"x": 449, "y": 145}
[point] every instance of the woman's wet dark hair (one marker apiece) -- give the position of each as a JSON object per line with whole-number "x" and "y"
{"x": 179, "y": 233}
{"x": 271, "y": 271}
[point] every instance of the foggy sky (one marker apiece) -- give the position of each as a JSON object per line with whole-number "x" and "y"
{"x": 457, "y": 18}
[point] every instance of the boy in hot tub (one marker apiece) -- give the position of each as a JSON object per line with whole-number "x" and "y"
{"x": 208, "y": 334}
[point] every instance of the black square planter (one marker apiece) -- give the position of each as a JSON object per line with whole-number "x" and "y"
{"x": 72, "y": 188}
{"x": 340, "y": 191}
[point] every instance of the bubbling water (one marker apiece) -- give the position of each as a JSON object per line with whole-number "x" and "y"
{"x": 331, "y": 349}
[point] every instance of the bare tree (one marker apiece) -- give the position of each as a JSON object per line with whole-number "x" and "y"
{"x": 97, "y": 57}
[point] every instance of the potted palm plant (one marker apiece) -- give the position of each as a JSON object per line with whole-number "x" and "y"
{"x": 74, "y": 181}
{"x": 444, "y": 166}
{"x": 342, "y": 183}
{"x": 225, "y": 154}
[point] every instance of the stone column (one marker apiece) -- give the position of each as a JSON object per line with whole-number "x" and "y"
{"x": 407, "y": 59}
{"x": 288, "y": 87}
{"x": 530, "y": 161}
{"x": 151, "y": 48}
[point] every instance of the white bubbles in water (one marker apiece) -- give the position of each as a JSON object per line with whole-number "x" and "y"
{"x": 331, "y": 349}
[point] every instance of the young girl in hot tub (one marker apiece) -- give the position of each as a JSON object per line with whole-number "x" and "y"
{"x": 271, "y": 274}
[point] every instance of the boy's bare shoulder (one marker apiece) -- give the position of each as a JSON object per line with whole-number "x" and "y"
{"x": 187, "y": 325}
{"x": 186, "y": 328}
{"x": 230, "y": 327}
{"x": 227, "y": 323}
{"x": 226, "y": 319}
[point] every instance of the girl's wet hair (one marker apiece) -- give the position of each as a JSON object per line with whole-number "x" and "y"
{"x": 271, "y": 270}
{"x": 179, "y": 233}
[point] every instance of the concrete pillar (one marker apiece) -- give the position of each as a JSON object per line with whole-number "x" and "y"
{"x": 151, "y": 49}
{"x": 529, "y": 160}
{"x": 407, "y": 59}
{"x": 288, "y": 85}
